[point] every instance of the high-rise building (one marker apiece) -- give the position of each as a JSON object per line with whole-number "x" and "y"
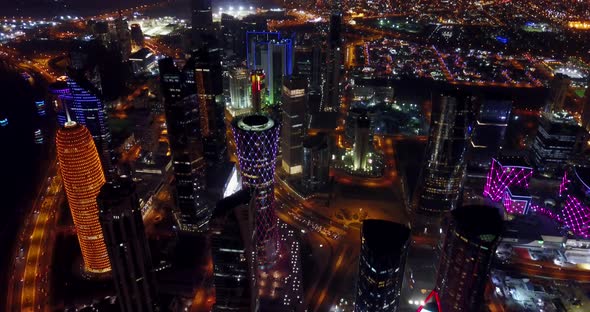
{"x": 316, "y": 162}
{"x": 442, "y": 176}
{"x": 123, "y": 35}
{"x": 381, "y": 265}
{"x": 331, "y": 84}
{"x": 205, "y": 65}
{"x": 171, "y": 82}
{"x": 275, "y": 57}
{"x": 188, "y": 163}
{"x": 469, "y": 242}
{"x": 127, "y": 245}
{"x": 231, "y": 247}
{"x": 256, "y": 139}
{"x": 240, "y": 89}
{"x": 362, "y": 142}
{"x": 575, "y": 194}
{"x": 202, "y": 22}
{"x": 294, "y": 106}
{"x": 557, "y": 93}
{"x": 83, "y": 177}
{"x": 137, "y": 38}
{"x": 488, "y": 132}
{"x": 86, "y": 109}
{"x": 257, "y": 87}
{"x": 555, "y": 142}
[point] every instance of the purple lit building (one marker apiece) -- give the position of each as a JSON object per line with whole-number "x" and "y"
{"x": 256, "y": 139}
{"x": 575, "y": 192}
{"x": 504, "y": 174}
{"x": 517, "y": 200}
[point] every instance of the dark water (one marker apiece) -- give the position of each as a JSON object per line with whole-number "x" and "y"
{"x": 21, "y": 159}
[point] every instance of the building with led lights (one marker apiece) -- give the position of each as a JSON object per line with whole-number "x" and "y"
{"x": 204, "y": 69}
{"x": 256, "y": 138}
{"x": 257, "y": 88}
{"x": 137, "y": 38}
{"x": 575, "y": 194}
{"x": 127, "y": 245}
{"x": 517, "y": 200}
{"x": 555, "y": 142}
{"x": 240, "y": 90}
{"x": 82, "y": 175}
{"x": 506, "y": 173}
{"x": 362, "y": 143}
{"x": 381, "y": 265}
{"x": 442, "y": 177}
{"x": 275, "y": 57}
{"x": 294, "y": 107}
{"x": 469, "y": 242}
{"x": 86, "y": 109}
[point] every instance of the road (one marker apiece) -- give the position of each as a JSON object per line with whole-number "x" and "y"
{"x": 28, "y": 286}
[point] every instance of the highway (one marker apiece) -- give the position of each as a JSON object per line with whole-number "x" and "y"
{"x": 29, "y": 284}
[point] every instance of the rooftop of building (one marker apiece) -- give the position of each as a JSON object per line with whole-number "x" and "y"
{"x": 141, "y": 54}
{"x": 478, "y": 222}
{"x": 531, "y": 227}
{"x": 519, "y": 191}
{"x": 385, "y": 237}
{"x": 513, "y": 161}
{"x": 583, "y": 175}
{"x": 316, "y": 142}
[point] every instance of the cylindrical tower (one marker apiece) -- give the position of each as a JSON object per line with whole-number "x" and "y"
{"x": 256, "y": 139}
{"x": 83, "y": 177}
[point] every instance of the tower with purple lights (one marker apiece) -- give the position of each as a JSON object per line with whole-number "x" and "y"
{"x": 508, "y": 181}
{"x": 256, "y": 139}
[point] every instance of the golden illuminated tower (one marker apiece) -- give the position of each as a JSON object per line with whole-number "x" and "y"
{"x": 83, "y": 177}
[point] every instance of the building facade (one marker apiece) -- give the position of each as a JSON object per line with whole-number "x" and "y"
{"x": 127, "y": 245}
{"x": 554, "y": 143}
{"x": 316, "y": 162}
{"x": 469, "y": 242}
{"x": 381, "y": 265}
{"x": 82, "y": 174}
{"x": 294, "y": 107}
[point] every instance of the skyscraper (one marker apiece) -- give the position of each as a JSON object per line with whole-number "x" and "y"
{"x": 381, "y": 265}
{"x": 275, "y": 57}
{"x": 488, "y": 132}
{"x": 202, "y": 22}
{"x": 331, "y": 87}
{"x": 316, "y": 162}
{"x": 240, "y": 89}
{"x": 256, "y": 139}
{"x": 124, "y": 234}
{"x": 442, "y": 175}
{"x": 231, "y": 246}
{"x": 83, "y": 177}
{"x": 557, "y": 93}
{"x": 205, "y": 65}
{"x": 362, "y": 141}
{"x": 470, "y": 240}
{"x": 555, "y": 142}
{"x": 257, "y": 88}
{"x": 137, "y": 38}
{"x": 86, "y": 109}
{"x": 294, "y": 105}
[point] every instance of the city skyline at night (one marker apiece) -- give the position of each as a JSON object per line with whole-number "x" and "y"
{"x": 292, "y": 156}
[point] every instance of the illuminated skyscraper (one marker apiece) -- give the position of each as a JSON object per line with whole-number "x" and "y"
{"x": 469, "y": 242}
{"x": 331, "y": 87}
{"x": 293, "y": 127}
{"x": 205, "y": 67}
{"x": 275, "y": 57}
{"x": 83, "y": 177}
{"x": 442, "y": 176}
{"x": 362, "y": 141}
{"x": 316, "y": 162}
{"x": 488, "y": 132}
{"x": 202, "y": 22}
{"x": 555, "y": 142}
{"x": 137, "y": 38}
{"x": 381, "y": 265}
{"x": 257, "y": 88}
{"x": 240, "y": 89}
{"x": 124, "y": 234}
{"x": 256, "y": 139}
{"x": 86, "y": 109}
{"x": 575, "y": 194}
